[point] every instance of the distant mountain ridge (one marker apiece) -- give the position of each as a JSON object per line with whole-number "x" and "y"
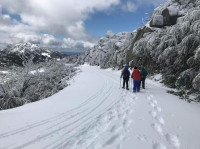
{"x": 12, "y": 54}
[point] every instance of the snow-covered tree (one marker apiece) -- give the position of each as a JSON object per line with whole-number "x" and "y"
{"x": 33, "y": 82}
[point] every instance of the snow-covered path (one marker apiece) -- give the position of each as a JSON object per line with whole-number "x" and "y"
{"x": 95, "y": 113}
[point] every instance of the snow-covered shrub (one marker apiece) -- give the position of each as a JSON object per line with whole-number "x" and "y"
{"x": 196, "y": 82}
{"x": 191, "y": 62}
{"x": 184, "y": 28}
{"x": 185, "y": 79}
{"x": 194, "y": 15}
{"x": 30, "y": 84}
{"x": 110, "y": 50}
{"x": 197, "y": 55}
{"x": 195, "y": 27}
{"x": 168, "y": 56}
{"x": 189, "y": 44}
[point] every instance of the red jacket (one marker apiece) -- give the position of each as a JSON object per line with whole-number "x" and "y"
{"x": 136, "y": 75}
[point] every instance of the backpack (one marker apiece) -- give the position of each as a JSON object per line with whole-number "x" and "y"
{"x": 125, "y": 73}
{"x": 144, "y": 73}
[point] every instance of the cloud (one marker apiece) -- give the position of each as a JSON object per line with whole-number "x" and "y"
{"x": 57, "y": 16}
{"x": 78, "y": 44}
{"x": 50, "y": 40}
{"x": 53, "y": 17}
{"x": 129, "y": 7}
{"x": 134, "y": 5}
{"x": 63, "y": 18}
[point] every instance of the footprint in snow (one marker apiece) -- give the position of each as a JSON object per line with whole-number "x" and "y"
{"x": 153, "y": 113}
{"x": 127, "y": 123}
{"x": 160, "y": 120}
{"x": 152, "y": 104}
{"x": 158, "y": 109}
{"x": 151, "y": 95}
{"x": 149, "y": 98}
{"x": 142, "y": 138}
{"x": 158, "y": 128}
{"x": 159, "y": 146}
{"x": 114, "y": 139}
{"x": 129, "y": 111}
{"x": 119, "y": 146}
{"x": 173, "y": 140}
{"x": 155, "y": 102}
{"x": 115, "y": 129}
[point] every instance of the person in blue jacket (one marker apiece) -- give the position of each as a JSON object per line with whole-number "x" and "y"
{"x": 144, "y": 74}
{"x": 125, "y": 74}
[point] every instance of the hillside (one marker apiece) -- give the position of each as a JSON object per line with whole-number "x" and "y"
{"x": 169, "y": 44}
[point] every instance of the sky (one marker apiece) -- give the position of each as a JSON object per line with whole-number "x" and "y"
{"x": 69, "y": 25}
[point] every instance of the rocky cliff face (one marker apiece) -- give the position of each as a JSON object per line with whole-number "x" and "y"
{"x": 13, "y": 55}
{"x": 169, "y": 44}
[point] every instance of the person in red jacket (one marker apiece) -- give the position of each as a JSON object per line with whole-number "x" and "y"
{"x": 136, "y": 75}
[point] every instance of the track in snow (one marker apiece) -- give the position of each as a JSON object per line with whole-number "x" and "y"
{"x": 106, "y": 116}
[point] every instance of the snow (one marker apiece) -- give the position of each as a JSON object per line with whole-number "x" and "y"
{"x": 109, "y": 34}
{"x": 110, "y": 50}
{"x": 173, "y": 11}
{"x": 157, "y": 20}
{"x": 4, "y": 72}
{"x": 95, "y": 113}
{"x": 35, "y": 71}
{"x": 157, "y": 77}
{"x": 46, "y": 54}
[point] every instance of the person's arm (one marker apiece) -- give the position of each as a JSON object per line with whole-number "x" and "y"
{"x": 121, "y": 74}
{"x": 146, "y": 73}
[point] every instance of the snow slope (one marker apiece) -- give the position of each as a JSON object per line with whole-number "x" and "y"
{"x": 95, "y": 113}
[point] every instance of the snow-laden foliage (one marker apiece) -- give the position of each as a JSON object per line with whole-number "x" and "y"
{"x": 196, "y": 82}
{"x": 34, "y": 82}
{"x": 185, "y": 78}
{"x": 197, "y": 55}
{"x": 171, "y": 47}
{"x": 110, "y": 50}
{"x": 175, "y": 48}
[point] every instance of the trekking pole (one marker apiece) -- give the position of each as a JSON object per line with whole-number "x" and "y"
{"x": 120, "y": 82}
{"x": 131, "y": 84}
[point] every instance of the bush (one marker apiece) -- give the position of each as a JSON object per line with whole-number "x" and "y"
{"x": 34, "y": 82}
